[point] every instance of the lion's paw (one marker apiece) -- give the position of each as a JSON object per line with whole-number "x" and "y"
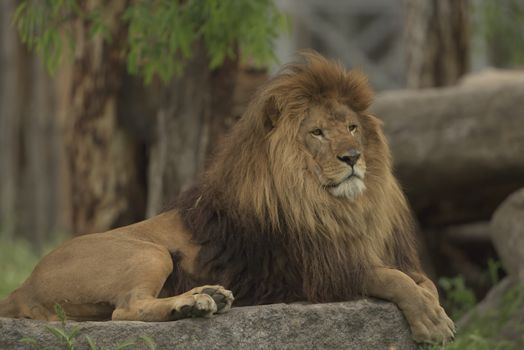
{"x": 433, "y": 326}
{"x": 428, "y": 320}
{"x": 198, "y": 305}
{"x": 222, "y": 297}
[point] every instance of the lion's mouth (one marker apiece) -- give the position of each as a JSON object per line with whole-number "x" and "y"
{"x": 347, "y": 178}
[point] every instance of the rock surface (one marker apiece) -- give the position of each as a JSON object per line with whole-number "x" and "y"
{"x": 501, "y": 314}
{"x": 362, "y": 324}
{"x": 457, "y": 151}
{"x": 502, "y": 310}
{"x": 507, "y": 233}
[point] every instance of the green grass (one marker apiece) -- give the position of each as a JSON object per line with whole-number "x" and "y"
{"x": 17, "y": 260}
{"x": 459, "y": 299}
{"x": 481, "y": 333}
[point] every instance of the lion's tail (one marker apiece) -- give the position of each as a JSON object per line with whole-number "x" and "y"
{"x": 8, "y": 307}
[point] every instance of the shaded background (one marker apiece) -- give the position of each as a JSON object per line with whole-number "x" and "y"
{"x": 92, "y": 147}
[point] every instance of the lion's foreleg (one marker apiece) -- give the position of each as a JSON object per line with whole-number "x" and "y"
{"x": 424, "y": 282}
{"x": 199, "y": 302}
{"x": 427, "y": 319}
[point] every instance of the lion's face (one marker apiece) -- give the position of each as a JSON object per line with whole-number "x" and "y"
{"x": 333, "y": 138}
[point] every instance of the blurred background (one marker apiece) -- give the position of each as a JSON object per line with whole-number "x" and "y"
{"x": 109, "y": 109}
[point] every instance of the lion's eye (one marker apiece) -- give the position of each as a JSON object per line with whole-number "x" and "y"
{"x": 352, "y": 128}
{"x": 317, "y": 132}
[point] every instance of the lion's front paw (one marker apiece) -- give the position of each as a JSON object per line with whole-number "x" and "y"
{"x": 433, "y": 325}
{"x": 198, "y": 305}
{"x": 221, "y": 296}
{"x": 428, "y": 320}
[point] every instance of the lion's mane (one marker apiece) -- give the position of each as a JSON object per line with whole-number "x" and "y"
{"x": 267, "y": 229}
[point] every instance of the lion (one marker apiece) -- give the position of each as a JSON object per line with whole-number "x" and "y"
{"x": 298, "y": 204}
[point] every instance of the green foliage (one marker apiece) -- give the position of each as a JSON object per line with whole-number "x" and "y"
{"x": 511, "y": 301}
{"x": 494, "y": 268}
{"x": 458, "y": 299}
{"x": 68, "y": 336}
{"x": 162, "y": 34}
{"x": 501, "y": 23}
{"x": 481, "y": 332}
{"x": 17, "y": 260}
{"x": 475, "y": 339}
{"x": 46, "y": 27}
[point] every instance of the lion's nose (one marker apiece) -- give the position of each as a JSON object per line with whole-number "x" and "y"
{"x": 350, "y": 157}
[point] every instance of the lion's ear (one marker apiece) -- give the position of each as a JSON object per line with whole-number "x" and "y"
{"x": 271, "y": 112}
{"x": 372, "y": 119}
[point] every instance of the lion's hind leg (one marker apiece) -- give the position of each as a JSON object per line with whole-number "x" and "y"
{"x": 199, "y": 302}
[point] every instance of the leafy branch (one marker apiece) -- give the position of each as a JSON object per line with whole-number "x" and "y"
{"x": 161, "y": 34}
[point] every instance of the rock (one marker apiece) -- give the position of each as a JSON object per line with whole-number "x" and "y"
{"x": 507, "y": 233}
{"x": 476, "y": 232}
{"x": 458, "y": 151}
{"x": 362, "y": 324}
{"x": 489, "y": 304}
{"x": 492, "y": 76}
{"x": 500, "y": 316}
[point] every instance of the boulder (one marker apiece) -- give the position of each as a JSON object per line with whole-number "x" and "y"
{"x": 498, "y": 318}
{"x": 507, "y": 233}
{"x": 458, "y": 151}
{"x": 362, "y": 324}
{"x": 500, "y": 315}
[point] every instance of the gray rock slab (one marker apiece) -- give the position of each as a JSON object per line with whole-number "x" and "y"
{"x": 507, "y": 233}
{"x": 362, "y": 324}
{"x": 503, "y": 310}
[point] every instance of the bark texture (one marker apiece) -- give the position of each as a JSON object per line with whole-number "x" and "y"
{"x": 32, "y": 192}
{"x": 9, "y": 120}
{"x": 437, "y": 42}
{"x": 194, "y": 114}
{"x": 102, "y": 157}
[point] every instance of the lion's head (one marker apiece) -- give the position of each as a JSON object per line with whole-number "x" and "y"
{"x": 331, "y": 135}
{"x": 305, "y": 167}
{"x": 305, "y": 142}
{"x": 315, "y": 110}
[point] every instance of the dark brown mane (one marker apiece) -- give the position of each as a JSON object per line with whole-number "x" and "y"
{"x": 271, "y": 233}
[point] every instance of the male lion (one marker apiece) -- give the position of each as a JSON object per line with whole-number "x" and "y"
{"x": 300, "y": 204}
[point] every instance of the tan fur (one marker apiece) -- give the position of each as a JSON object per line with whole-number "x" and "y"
{"x": 275, "y": 189}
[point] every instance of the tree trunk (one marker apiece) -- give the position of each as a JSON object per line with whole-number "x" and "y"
{"x": 31, "y": 196}
{"x": 9, "y": 119}
{"x": 193, "y": 116}
{"x": 39, "y": 197}
{"x": 437, "y": 40}
{"x": 102, "y": 157}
